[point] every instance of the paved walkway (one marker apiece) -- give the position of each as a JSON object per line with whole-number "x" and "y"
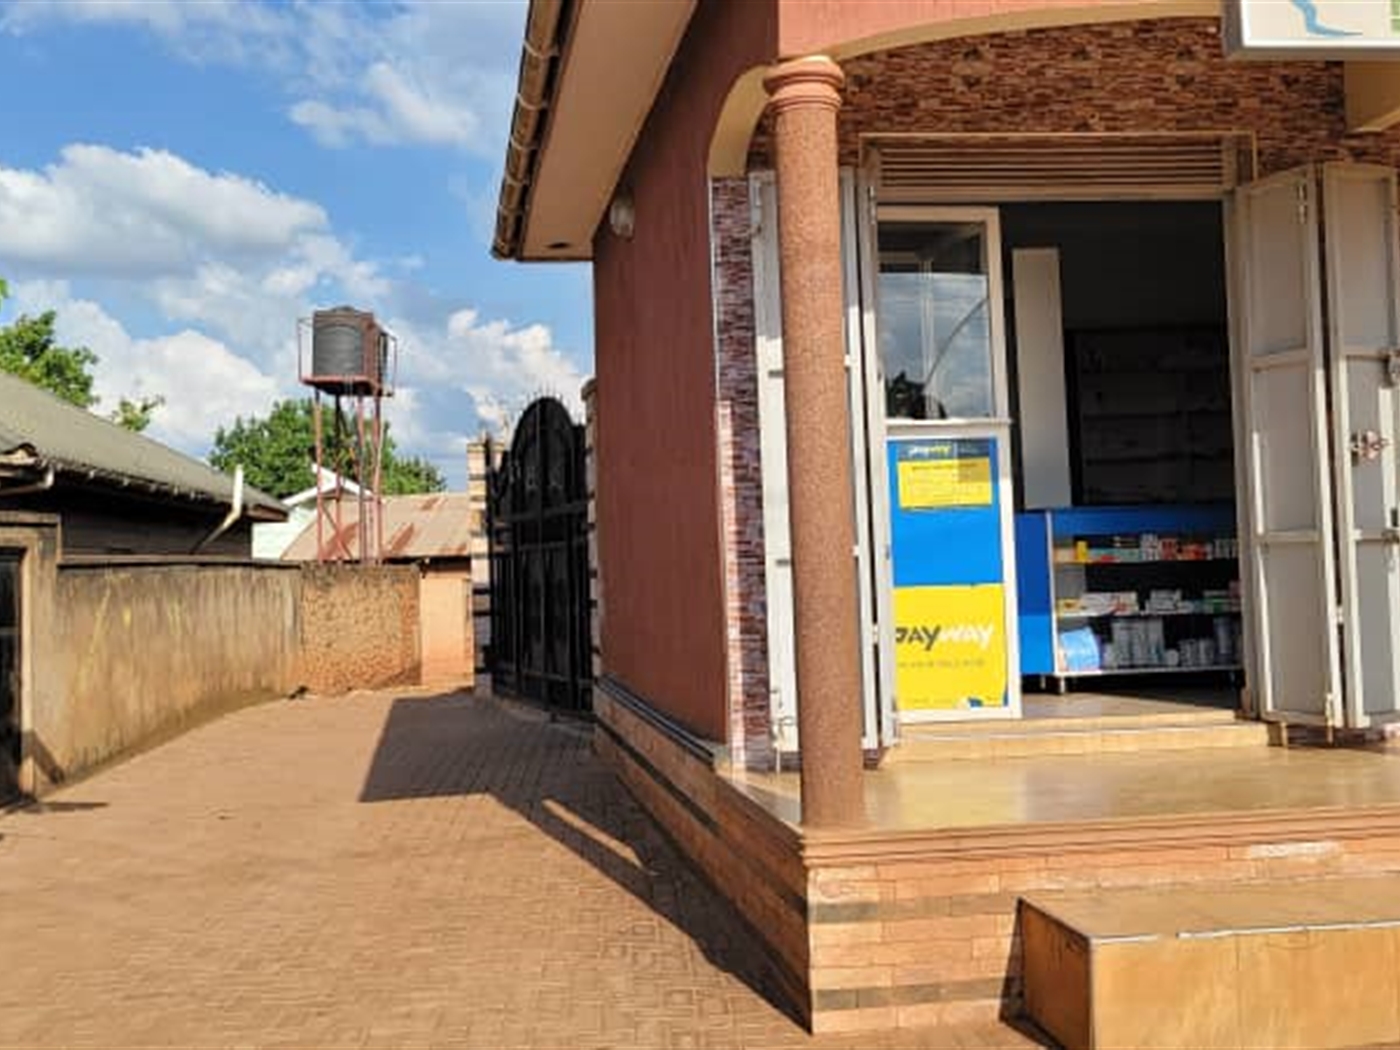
{"x": 380, "y": 869}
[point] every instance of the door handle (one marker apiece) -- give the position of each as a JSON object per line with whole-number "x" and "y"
{"x": 1367, "y": 445}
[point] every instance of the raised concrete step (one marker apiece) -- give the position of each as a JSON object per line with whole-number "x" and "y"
{"x": 1076, "y": 736}
{"x": 1302, "y": 964}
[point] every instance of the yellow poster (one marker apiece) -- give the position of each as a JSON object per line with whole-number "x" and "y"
{"x": 950, "y": 647}
{"x": 928, "y": 480}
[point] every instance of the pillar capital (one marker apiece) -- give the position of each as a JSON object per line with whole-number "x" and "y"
{"x": 801, "y": 82}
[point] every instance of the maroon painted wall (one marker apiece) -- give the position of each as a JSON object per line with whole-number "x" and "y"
{"x": 658, "y": 510}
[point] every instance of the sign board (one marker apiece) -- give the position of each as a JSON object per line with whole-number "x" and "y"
{"x": 1313, "y": 29}
{"x": 952, "y": 609}
{"x": 950, "y": 647}
{"x": 952, "y": 473}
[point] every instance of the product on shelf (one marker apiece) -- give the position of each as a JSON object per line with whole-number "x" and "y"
{"x": 1079, "y": 650}
{"x": 1160, "y": 599}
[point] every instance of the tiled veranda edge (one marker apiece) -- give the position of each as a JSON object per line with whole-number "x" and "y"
{"x": 920, "y": 926}
{"x": 752, "y": 860}
{"x": 874, "y": 929}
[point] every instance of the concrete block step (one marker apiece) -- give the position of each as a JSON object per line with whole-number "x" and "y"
{"x": 1310, "y": 964}
{"x": 1029, "y": 740}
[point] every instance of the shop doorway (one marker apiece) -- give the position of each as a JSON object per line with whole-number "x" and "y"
{"x": 1126, "y": 529}
{"x": 1203, "y": 398}
{"x": 1100, "y": 371}
{"x": 1196, "y": 393}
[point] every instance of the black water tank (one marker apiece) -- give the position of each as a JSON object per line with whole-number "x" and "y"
{"x": 347, "y": 351}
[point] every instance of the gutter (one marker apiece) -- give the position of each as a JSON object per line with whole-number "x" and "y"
{"x": 234, "y": 512}
{"x": 43, "y": 485}
{"x": 534, "y": 93}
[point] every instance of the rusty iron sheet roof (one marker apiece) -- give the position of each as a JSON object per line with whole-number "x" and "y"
{"x": 437, "y": 525}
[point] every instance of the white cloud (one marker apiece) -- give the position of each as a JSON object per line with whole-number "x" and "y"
{"x": 99, "y": 210}
{"x": 400, "y": 111}
{"x": 436, "y": 74}
{"x": 188, "y": 284}
{"x": 206, "y": 30}
{"x": 459, "y": 375}
{"x": 218, "y": 251}
{"x": 202, "y": 380}
{"x": 511, "y": 363}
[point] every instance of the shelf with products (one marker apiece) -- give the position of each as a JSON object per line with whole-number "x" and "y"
{"x": 1128, "y": 590}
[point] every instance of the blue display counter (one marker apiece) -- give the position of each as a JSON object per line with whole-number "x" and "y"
{"x": 1127, "y": 591}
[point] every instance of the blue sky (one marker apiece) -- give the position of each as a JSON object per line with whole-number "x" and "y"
{"x": 182, "y": 180}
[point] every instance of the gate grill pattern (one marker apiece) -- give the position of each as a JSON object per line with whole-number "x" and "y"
{"x": 537, "y": 520}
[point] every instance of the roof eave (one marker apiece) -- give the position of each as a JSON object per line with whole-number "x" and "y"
{"x": 589, "y": 73}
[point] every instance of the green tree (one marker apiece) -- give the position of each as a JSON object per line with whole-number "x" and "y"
{"x": 136, "y": 415}
{"x": 29, "y": 349}
{"x": 277, "y": 451}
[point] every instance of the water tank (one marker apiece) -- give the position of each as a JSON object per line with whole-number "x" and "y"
{"x": 349, "y": 352}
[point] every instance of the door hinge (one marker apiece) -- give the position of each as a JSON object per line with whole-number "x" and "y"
{"x": 755, "y": 214}
{"x": 1302, "y": 191}
{"x": 1392, "y": 367}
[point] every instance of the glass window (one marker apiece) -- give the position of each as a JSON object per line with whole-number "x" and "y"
{"x": 934, "y": 321}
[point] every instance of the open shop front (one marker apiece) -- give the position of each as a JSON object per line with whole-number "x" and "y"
{"x": 1137, "y": 391}
{"x": 1078, "y": 352}
{"x": 1120, "y": 434}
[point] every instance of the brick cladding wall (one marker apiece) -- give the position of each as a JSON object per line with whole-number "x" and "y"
{"x": 741, "y": 478}
{"x": 908, "y": 942}
{"x": 1151, "y": 76}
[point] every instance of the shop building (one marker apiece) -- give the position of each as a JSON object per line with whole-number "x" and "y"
{"x": 954, "y": 354}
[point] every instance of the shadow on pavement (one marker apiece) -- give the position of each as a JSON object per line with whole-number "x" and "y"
{"x": 40, "y": 807}
{"x": 545, "y": 771}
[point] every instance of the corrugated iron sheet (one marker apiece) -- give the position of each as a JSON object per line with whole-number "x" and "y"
{"x": 435, "y": 526}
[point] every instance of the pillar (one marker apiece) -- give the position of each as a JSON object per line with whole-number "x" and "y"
{"x": 804, "y": 97}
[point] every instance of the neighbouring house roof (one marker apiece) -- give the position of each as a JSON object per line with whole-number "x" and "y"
{"x": 326, "y": 481}
{"x": 589, "y": 73}
{"x": 437, "y": 525}
{"x": 40, "y": 431}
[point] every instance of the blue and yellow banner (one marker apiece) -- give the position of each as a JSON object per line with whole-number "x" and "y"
{"x": 950, "y": 647}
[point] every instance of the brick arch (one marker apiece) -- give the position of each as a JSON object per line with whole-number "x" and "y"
{"x": 848, "y": 29}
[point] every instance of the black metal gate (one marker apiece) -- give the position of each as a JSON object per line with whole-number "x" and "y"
{"x": 9, "y": 674}
{"x": 537, "y": 519}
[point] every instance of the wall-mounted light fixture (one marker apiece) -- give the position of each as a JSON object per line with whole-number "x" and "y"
{"x": 622, "y": 215}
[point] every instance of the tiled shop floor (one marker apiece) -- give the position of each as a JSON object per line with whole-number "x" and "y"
{"x": 371, "y": 870}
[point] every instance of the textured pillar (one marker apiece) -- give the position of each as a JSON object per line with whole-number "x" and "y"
{"x": 805, "y": 95}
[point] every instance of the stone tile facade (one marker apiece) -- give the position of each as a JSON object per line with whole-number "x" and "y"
{"x": 741, "y": 476}
{"x": 1131, "y": 77}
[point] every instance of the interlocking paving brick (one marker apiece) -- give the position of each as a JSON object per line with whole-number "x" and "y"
{"x": 382, "y": 869}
